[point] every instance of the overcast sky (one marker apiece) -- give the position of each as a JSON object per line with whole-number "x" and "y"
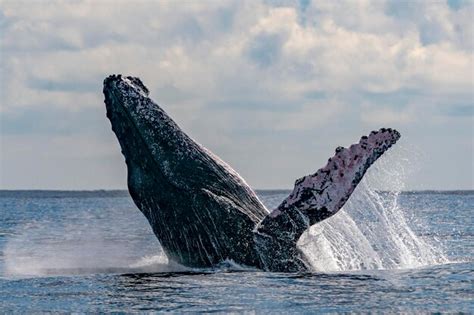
{"x": 271, "y": 87}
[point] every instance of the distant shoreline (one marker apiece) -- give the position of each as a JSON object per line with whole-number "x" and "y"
{"x": 105, "y": 193}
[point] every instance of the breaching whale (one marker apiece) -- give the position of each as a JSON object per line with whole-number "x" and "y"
{"x": 201, "y": 210}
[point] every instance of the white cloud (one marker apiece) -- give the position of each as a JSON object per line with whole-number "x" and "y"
{"x": 245, "y": 67}
{"x": 387, "y": 116}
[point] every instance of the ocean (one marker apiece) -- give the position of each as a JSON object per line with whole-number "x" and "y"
{"x": 93, "y": 251}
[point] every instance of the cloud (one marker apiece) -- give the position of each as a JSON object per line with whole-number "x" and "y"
{"x": 265, "y": 49}
{"x": 387, "y": 116}
{"x": 461, "y": 110}
{"x": 259, "y": 73}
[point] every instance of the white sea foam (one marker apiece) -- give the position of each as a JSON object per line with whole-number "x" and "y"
{"x": 44, "y": 248}
{"x": 373, "y": 231}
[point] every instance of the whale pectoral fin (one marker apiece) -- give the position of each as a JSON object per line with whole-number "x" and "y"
{"x": 320, "y": 195}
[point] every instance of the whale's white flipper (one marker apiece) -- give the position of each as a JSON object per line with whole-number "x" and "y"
{"x": 316, "y": 197}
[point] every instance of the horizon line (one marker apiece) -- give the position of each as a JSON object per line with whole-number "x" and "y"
{"x": 256, "y": 189}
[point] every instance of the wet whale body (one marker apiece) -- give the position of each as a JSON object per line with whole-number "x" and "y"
{"x": 201, "y": 210}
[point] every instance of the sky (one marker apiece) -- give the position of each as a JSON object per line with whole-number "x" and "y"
{"x": 272, "y": 87}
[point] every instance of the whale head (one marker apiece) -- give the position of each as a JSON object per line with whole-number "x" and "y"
{"x": 150, "y": 140}
{"x": 200, "y": 209}
{"x": 133, "y": 117}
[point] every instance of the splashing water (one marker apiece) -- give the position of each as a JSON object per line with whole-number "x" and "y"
{"x": 109, "y": 235}
{"x": 372, "y": 230}
{"x": 47, "y": 249}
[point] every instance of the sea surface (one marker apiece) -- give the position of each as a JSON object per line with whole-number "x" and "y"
{"x": 93, "y": 251}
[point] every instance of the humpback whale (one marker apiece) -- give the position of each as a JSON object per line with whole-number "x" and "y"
{"x": 201, "y": 210}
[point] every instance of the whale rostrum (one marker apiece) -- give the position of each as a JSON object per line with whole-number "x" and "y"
{"x": 201, "y": 210}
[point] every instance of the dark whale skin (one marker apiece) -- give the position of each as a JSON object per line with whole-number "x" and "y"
{"x": 201, "y": 210}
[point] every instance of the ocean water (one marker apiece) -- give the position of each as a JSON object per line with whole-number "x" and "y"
{"x": 95, "y": 252}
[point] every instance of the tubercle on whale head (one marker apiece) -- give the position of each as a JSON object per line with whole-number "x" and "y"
{"x": 133, "y": 82}
{"x": 123, "y": 98}
{"x": 135, "y": 116}
{"x": 148, "y": 137}
{"x": 122, "y": 95}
